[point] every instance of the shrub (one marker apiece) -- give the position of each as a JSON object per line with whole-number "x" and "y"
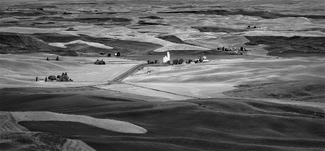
{"x": 97, "y": 61}
{"x": 52, "y": 77}
{"x": 200, "y": 59}
{"x": 180, "y": 61}
{"x": 175, "y": 61}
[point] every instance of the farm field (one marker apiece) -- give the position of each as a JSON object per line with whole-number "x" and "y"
{"x": 282, "y": 79}
{"x": 241, "y": 75}
{"x": 21, "y": 71}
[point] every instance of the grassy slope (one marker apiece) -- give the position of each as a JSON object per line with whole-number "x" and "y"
{"x": 171, "y": 38}
{"x": 222, "y": 124}
{"x": 12, "y": 43}
{"x": 283, "y": 46}
{"x": 20, "y": 43}
{"x": 297, "y": 90}
{"x": 124, "y": 46}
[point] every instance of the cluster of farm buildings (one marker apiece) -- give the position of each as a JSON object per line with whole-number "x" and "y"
{"x": 166, "y": 60}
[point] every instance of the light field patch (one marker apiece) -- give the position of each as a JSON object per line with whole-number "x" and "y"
{"x": 21, "y": 71}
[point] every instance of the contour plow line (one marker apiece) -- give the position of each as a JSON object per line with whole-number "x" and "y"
{"x": 131, "y": 71}
{"x": 161, "y": 91}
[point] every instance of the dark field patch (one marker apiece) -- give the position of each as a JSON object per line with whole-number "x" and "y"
{"x": 25, "y": 13}
{"x": 20, "y": 13}
{"x": 11, "y": 43}
{"x": 142, "y": 22}
{"x": 300, "y": 91}
{"x": 16, "y": 43}
{"x": 85, "y": 3}
{"x": 21, "y": 43}
{"x": 217, "y": 29}
{"x": 171, "y": 38}
{"x": 286, "y": 46}
{"x": 151, "y": 17}
{"x": 49, "y": 18}
{"x": 262, "y": 14}
{"x": 53, "y": 37}
{"x": 126, "y": 47}
{"x": 205, "y": 124}
{"x": 93, "y": 20}
{"x": 102, "y": 19}
{"x": 32, "y": 6}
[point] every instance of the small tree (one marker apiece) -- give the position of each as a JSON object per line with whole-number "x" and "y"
{"x": 200, "y": 59}
{"x": 57, "y": 58}
{"x": 45, "y": 79}
{"x": 180, "y": 61}
{"x": 149, "y": 61}
{"x": 108, "y": 55}
{"x": 47, "y": 58}
{"x": 175, "y": 61}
